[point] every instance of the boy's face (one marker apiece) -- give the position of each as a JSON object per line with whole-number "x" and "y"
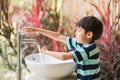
{"x": 80, "y": 35}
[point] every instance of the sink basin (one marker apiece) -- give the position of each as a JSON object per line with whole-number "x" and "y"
{"x": 51, "y": 68}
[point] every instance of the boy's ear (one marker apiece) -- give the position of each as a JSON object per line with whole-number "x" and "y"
{"x": 89, "y": 34}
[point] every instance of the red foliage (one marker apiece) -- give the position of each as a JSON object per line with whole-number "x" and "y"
{"x": 55, "y": 45}
{"x": 106, "y": 43}
{"x": 37, "y": 14}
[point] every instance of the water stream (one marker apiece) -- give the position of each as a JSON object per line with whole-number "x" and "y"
{"x": 41, "y": 57}
{"x": 38, "y": 46}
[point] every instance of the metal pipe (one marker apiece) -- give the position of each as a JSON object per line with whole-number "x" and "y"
{"x": 19, "y": 77}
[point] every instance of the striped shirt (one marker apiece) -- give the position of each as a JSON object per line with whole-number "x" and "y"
{"x": 87, "y": 59}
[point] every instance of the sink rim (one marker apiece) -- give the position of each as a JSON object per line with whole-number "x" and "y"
{"x": 60, "y": 61}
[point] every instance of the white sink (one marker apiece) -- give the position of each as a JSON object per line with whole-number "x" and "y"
{"x": 51, "y": 68}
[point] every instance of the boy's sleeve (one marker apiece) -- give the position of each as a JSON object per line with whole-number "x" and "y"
{"x": 70, "y": 42}
{"x": 77, "y": 56}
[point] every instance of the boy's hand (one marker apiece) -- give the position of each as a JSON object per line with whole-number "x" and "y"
{"x": 44, "y": 49}
{"x": 30, "y": 29}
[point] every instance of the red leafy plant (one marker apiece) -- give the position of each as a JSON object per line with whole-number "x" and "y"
{"x": 37, "y": 14}
{"x": 44, "y": 16}
{"x": 40, "y": 19}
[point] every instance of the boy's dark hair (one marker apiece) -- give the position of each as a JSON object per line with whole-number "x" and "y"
{"x": 91, "y": 23}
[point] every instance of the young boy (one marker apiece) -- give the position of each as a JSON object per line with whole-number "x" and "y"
{"x": 83, "y": 49}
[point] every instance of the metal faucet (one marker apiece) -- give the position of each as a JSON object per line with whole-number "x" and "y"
{"x": 20, "y": 40}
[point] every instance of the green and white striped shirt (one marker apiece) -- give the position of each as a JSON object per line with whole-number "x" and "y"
{"x": 87, "y": 59}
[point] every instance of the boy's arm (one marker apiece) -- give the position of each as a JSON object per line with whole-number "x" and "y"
{"x": 54, "y": 35}
{"x": 58, "y": 55}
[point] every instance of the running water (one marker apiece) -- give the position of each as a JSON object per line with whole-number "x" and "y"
{"x": 35, "y": 42}
{"x": 41, "y": 57}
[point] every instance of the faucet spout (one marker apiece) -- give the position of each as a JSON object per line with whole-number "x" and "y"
{"x": 29, "y": 41}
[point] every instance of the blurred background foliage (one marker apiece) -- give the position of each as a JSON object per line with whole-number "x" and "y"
{"x": 8, "y": 45}
{"x": 59, "y": 16}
